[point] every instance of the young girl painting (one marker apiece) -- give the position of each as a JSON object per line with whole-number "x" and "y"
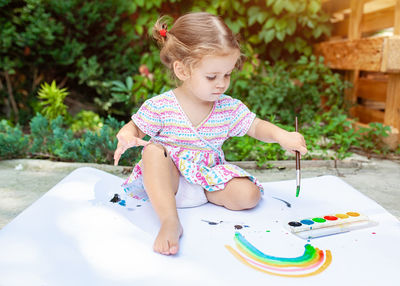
{"x": 183, "y": 164}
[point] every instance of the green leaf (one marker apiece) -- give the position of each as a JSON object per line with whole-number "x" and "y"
{"x": 280, "y": 35}
{"x": 129, "y": 83}
{"x": 267, "y": 35}
{"x": 254, "y": 39}
{"x": 291, "y": 6}
{"x": 261, "y": 17}
{"x": 270, "y": 23}
{"x": 281, "y": 24}
{"x": 278, "y": 6}
{"x": 317, "y": 32}
{"x": 118, "y": 84}
{"x": 291, "y": 26}
{"x": 139, "y": 29}
{"x": 314, "y": 6}
{"x": 253, "y": 14}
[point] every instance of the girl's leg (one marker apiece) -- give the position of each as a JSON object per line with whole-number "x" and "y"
{"x": 161, "y": 180}
{"x": 239, "y": 194}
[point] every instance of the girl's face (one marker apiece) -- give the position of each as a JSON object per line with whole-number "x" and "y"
{"x": 210, "y": 78}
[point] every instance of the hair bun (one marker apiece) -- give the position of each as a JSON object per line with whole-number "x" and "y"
{"x": 159, "y": 31}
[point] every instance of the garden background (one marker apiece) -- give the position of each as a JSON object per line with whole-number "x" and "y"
{"x": 72, "y": 72}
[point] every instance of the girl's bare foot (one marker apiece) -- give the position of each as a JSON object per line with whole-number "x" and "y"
{"x": 167, "y": 241}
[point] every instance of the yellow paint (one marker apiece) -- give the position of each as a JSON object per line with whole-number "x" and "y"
{"x": 341, "y": 216}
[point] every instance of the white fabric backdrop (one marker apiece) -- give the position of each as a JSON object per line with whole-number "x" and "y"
{"x": 73, "y": 235}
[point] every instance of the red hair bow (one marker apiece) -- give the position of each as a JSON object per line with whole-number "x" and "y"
{"x": 163, "y": 31}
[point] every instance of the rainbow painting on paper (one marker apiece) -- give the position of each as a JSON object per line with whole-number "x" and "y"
{"x": 312, "y": 262}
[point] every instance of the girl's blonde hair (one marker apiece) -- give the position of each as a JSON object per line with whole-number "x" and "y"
{"x": 193, "y": 36}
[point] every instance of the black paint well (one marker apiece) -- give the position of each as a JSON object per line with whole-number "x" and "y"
{"x": 294, "y": 223}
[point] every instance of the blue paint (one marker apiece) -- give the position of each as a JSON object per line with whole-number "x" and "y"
{"x": 122, "y": 203}
{"x": 307, "y": 222}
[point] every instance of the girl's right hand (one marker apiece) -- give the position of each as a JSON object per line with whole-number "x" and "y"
{"x": 124, "y": 143}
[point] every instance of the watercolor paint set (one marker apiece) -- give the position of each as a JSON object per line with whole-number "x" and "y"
{"x": 319, "y": 226}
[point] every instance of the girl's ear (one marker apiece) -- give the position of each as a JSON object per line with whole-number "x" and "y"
{"x": 181, "y": 71}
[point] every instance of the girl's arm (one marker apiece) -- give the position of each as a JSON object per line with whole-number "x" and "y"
{"x": 130, "y": 129}
{"x": 267, "y": 132}
{"x": 128, "y": 136}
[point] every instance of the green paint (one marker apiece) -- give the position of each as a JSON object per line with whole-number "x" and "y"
{"x": 297, "y": 191}
{"x": 267, "y": 231}
{"x": 319, "y": 219}
{"x": 310, "y": 254}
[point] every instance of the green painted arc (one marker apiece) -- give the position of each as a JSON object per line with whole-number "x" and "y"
{"x": 309, "y": 253}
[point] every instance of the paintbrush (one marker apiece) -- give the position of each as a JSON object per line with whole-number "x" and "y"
{"x": 297, "y": 166}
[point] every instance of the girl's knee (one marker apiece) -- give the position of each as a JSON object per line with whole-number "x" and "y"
{"x": 245, "y": 194}
{"x": 252, "y": 196}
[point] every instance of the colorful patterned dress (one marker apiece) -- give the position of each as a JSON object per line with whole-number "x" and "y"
{"x": 196, "y": 151}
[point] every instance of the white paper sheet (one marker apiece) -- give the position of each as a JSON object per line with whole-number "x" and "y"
{"x": 73, "y": 235}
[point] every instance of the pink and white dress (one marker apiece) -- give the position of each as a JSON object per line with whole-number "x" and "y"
{"x": 196, "y": 151}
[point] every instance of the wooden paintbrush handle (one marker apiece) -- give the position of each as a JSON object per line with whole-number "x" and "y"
{"x": 297, "y": 152}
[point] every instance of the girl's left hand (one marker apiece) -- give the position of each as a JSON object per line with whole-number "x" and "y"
{"x": 292, "y": 142}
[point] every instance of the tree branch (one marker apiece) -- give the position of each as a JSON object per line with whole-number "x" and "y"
{"x": 8, "y": 107}
{"x": 11, "y": 96}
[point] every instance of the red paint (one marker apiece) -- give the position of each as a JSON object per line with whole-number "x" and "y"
{"x": 374, "y": 233}
{"x": 330, "y": 217}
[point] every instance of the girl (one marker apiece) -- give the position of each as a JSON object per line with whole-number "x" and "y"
{"x": 183, "y": 164}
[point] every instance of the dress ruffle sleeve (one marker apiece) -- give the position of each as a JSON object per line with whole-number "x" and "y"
{"x": 148, "y": 119}
{"x": 242, "y": 118}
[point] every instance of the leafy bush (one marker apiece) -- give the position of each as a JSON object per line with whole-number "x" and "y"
{"x": 52, "y": 140}
{"x": 86, "y": 120}
{"x": 372, "y": 138}
{"x": 275, "y": 29}
{"x": 330, "y": 131}
{"x": 13, "y": 142}
{"x": 151, "y": 80}
{"x": 91, "y": 45}
{"x": 86, "y": 43}
{"x": 250, "y": 149}
{"x": 101, "y": 50}
{"x": 286, "y": 91}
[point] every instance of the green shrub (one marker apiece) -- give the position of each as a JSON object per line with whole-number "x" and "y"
{"x": 86, "y": 120}
{"x": 52, "y": 100}
{"x": 275, "y": 29}
{"x": 13, "y": 142}
{"x": 91, "y": 44}
{"x": 51, "y": 139}
{"x": 286, "y": 91}
{"x": 371, "y": 140}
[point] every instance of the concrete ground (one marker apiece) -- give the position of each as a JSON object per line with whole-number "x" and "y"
{"x": 24, "y": 181}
